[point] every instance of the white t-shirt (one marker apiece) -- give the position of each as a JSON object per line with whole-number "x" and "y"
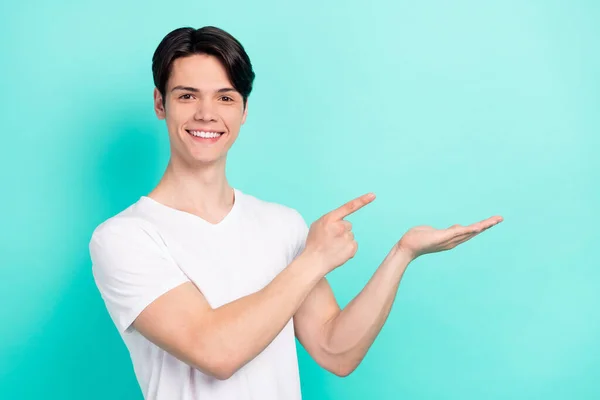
{"x": 150, "y": 248}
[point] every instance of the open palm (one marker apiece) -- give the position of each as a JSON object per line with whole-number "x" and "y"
{"x": 424, "y": 239}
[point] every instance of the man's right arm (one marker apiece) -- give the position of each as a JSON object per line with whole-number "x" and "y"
{"x": 220, "y": 341}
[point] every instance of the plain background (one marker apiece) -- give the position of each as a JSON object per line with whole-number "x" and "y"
{"x": 450, "y": 111}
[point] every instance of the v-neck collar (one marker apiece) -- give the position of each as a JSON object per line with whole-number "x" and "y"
{"x": 167, "y": 210}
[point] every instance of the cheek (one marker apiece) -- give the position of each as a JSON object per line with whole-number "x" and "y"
{"x": 178, "y": 114}
{"x": 233, "y": 117}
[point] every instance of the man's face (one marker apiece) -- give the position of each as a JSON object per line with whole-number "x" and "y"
{"x": 203, "y": 111}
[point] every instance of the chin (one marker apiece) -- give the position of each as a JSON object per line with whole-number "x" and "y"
{"x": 206, "y": 159}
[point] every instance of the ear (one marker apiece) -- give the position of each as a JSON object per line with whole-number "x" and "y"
{"x": 159, "y": 109}
{"x": 245, "y": 113}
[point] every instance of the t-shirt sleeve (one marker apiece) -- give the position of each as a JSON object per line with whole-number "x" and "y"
{"x": 131, "y": 267}
{"x": 300, "y": 233}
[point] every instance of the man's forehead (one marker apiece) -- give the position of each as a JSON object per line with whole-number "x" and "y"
{"x": 202, "y": 72}
{"x": 199, "y": 84}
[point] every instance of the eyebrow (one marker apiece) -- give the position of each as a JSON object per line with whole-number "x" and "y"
{"x": 194, "y": 90}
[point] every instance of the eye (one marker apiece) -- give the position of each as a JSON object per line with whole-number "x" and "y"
{"x": 227, "y": 98}
{"x": 186, "y": 96}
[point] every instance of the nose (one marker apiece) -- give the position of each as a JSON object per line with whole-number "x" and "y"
{"x": 204, "y": 111}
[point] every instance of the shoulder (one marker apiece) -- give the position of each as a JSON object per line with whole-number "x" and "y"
{"x": 127, "y": 231}
{"x": 125, "y": 222}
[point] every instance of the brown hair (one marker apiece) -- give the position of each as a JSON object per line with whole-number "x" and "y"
{"x": 183, "y": 42}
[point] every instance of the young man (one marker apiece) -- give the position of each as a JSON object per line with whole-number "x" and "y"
{"x": 207, "y": 285}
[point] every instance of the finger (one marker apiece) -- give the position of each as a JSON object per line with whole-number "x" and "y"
{"x": 487, "y": 223}
{"x": 353, "y": 248}
{"x": 477, "y": 227}
{"x": 337, "y": 228}
{"x": 458, "y": 234}
{"x": 461, "y": 240}
{"x": 347, "y": 225}
{"x": 457, "y": 231}
{"x": 469, "y": 235}
{"x": 351, "y": 207}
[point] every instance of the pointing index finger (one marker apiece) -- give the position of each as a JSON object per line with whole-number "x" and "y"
{"x": 351, "y": 206}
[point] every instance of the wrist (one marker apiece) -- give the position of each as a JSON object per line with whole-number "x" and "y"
{"x": 401, "y": 256}
{"x": 314, "y": 262}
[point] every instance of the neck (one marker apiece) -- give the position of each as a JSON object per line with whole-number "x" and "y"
{"x": 201, "y": 190}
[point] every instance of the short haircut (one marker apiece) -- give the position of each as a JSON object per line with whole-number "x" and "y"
{"x": 210, "y": 40}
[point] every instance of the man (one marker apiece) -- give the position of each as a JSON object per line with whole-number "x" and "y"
{"x": 207, "y": 285}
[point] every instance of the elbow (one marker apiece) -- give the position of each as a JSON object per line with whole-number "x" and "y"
{"x": 220, "y": 370}
{"x": 216, "y": 363}
{"x": 222, "y": 373}
{"x": 340, "y": 364}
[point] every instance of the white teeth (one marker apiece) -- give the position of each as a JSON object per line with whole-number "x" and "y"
{"x": 205, "y": 135}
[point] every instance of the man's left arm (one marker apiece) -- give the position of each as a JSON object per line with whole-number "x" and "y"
{"x": 338, "y": 340}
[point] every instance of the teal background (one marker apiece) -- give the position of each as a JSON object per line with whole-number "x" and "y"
{"x": 450, "y": 111}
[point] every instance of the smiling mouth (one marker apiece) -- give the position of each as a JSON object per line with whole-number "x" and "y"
{"x": 209, "y": 135}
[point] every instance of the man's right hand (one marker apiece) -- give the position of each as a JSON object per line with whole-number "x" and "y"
{"x": 330, "y": 238}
